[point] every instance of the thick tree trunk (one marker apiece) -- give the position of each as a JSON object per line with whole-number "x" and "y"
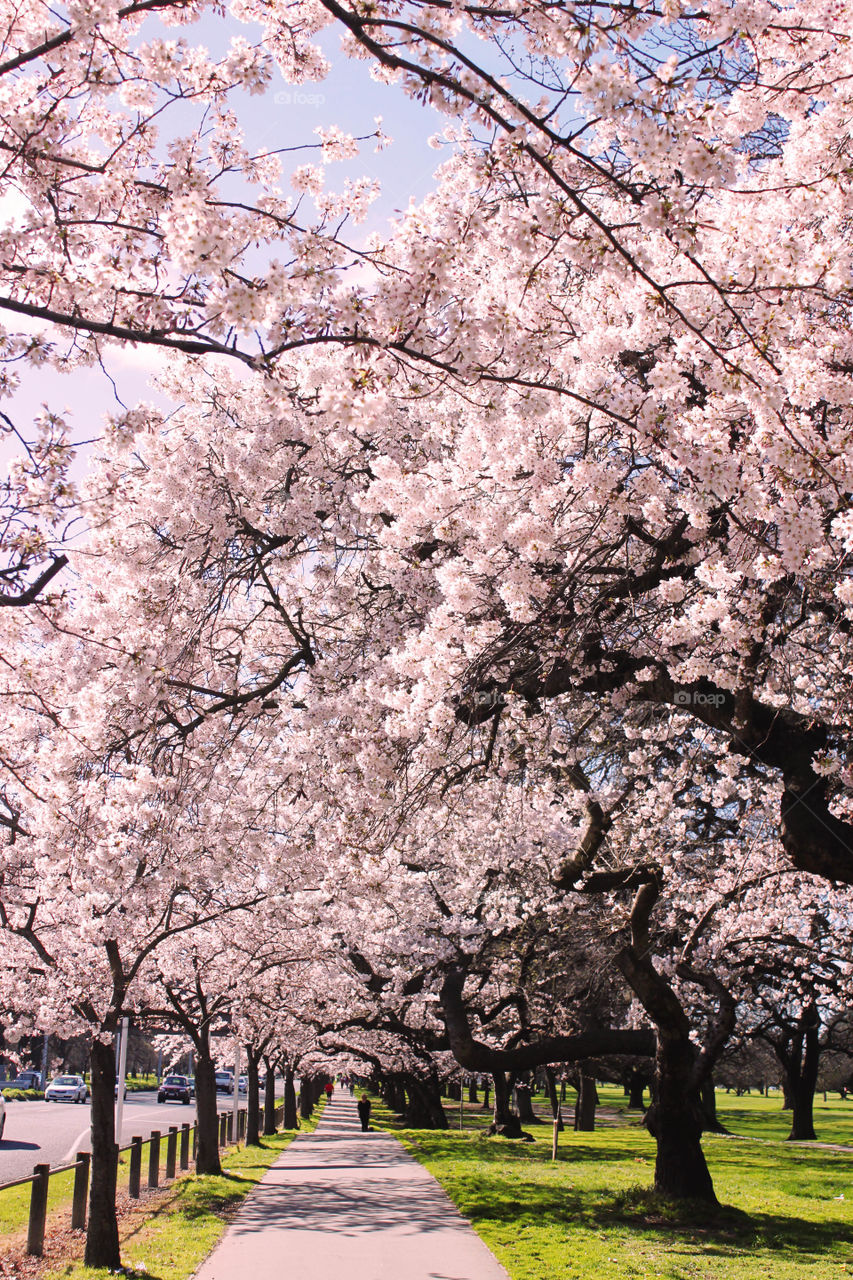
{"x": 291, "y": 1119}
{"x": 504, "y": 1120}
{"x": 636, "y": 1089}
{"x": 394, "y": 1095}
{"x": 487, "y": 1091}
{"x": 424, "y": 1109}
{"x": 526, "y": 1113}
{"x": 675, "y": 1121}
{"x": 102, "y": 1246}
{"x": 803, "y": 1087}
{"x": 675, "y": 1116}
{"x": 802, "y": 1119}
{"x": 207, "y": 1121}
{"x": 587, "y": 1100}
{"x": 253, "y": 1098}
{"x": 269, "y": 1099}
{"x": 472, "y": 1089}
{"x": 708, "y": 1103}
{"x": 306, "y": 1098}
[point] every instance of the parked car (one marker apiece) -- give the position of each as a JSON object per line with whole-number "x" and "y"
{"x": 174, "y": 1089}
{"x": 2, "y": 1114}
{"x": 24, "y": 1080}
{"x": 66, "y": 1089}
{"x": 243, "y": 1084}
{"x": 225, "y": 1082}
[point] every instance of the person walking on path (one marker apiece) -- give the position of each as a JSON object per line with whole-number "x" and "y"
{"x": 330, "y": 1089}
{"x": 364, "y": 1112}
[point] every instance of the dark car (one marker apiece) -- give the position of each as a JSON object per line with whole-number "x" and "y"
{"x": 25, "y": 1080}
{"x": 174, "y": 1089}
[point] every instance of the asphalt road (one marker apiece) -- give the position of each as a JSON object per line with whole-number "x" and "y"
{"x": 53, "y": 1132}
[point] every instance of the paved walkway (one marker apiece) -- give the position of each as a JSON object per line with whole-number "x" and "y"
{"x": 345, "y": 1205}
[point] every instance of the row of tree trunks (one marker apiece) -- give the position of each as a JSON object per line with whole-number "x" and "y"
{"x": 253, "y": 1095}
{"x": 291, "y": 1118}
{"x": 310, "y": 1092}
{"x": 269, "y": 1098}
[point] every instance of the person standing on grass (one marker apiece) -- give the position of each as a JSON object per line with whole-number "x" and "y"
{"x": 363, "y": 1109}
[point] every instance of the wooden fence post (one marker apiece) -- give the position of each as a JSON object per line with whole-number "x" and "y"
{"x": 81, "y": 1191}
{"x": 185, "y": 1146}
{"x": 38, "y": 1210}
{"x": 135, "y": 1167}
{"x": 154, "y": 1160}
{"x": 171, "y": 1150}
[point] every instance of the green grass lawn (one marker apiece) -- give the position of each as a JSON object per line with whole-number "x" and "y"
{"x": 787, "y": 1211}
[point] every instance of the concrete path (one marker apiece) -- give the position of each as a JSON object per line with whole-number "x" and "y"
{"x": 345, "y": 1205}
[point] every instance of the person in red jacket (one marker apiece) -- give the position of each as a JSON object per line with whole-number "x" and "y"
{"x": 330, "y": 1089}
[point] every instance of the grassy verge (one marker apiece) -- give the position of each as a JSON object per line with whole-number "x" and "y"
{"x": 787, "y": 1212}
{"x": 167, "y": 1237}
{"x": 15, "y": 1203}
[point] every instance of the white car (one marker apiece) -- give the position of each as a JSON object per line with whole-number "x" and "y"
{"x": 2, "y": 1114}
{"x": 66, "y": 1089}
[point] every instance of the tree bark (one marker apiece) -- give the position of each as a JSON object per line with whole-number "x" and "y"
{"x": 269, "y": 1099}
{"x": 487, "y": 1089}
{"x": 675, "y": 1117}
{"x": 306, "y": 1098}
{"x": 526, "y": 1114}
{"x": 472, "y": 1090}
{"x": 253, "y": 1097}
{"x": 504, "y": 1120}
{"x": 424, "y": 1109}
{"x": 207, "y": 1121}
{"x": 708, "y": 1104}
{"x": 802, "y": 1094}
{"x": 636, "y": 1088}
{"x": 585, "y": 1105}
{"x": 675, "y": 1121}
{"x": 798, "y": 1051}
{"x": 291, "y": 1119}
{"x": 102, "y": 1245}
